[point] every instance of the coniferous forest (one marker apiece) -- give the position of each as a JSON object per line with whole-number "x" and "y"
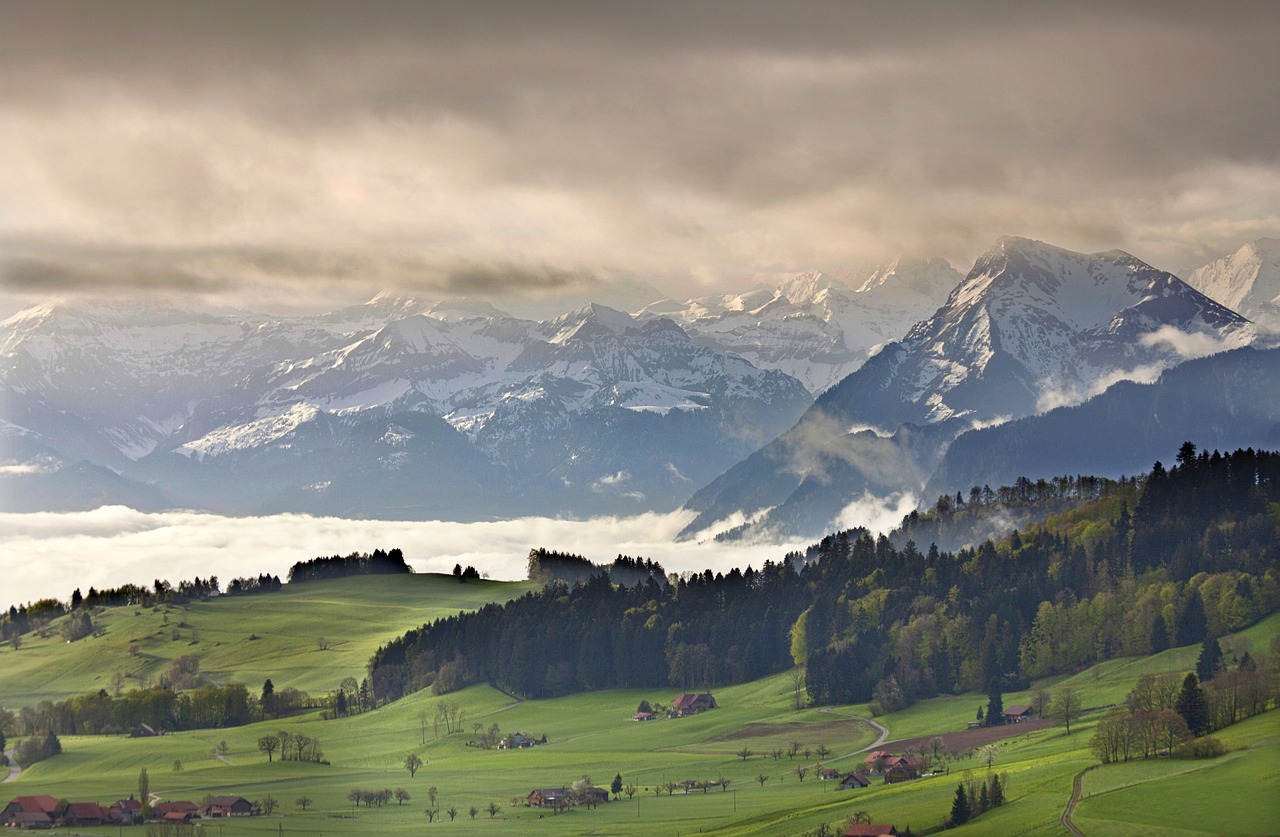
{"x": 1167, "y": 558}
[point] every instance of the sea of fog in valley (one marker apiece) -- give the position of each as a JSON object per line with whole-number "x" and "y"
{"x": 51, "y": 554}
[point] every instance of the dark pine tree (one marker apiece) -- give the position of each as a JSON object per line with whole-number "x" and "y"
{"x": 1193, "y": 706}
{"x": 1210, "y": 661}
{"x": 1159, "y": 634}
{"x": 1192, "y": 625}
{"x": 960, "y": 807}
{"x": 995, "y": 708}
{"x": 997, "y": 792}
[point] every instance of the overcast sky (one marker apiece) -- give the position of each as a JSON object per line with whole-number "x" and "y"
{"x": 289, "y": 156}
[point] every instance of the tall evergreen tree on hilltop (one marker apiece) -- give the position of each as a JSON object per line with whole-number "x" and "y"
{"x": 1193, "y": 705}
{"x": 995, "y": 707}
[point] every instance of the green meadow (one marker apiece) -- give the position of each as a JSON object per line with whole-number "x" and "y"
{"x": 593, "y": 735}
{"x": 244, "y": 639}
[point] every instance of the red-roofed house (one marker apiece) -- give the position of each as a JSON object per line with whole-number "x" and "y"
{"x": 1018, "y": 713}
{"x": 30, "y": 812}
{"x": 690, "y": 704}
{"x": 163, "y": 809}
{"x": 125, "y": 811}
{"x": 860, "y": 829}
{"x": 85, "y": 813}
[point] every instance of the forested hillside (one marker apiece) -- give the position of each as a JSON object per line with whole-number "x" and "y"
{"x": 1197, "y": 555}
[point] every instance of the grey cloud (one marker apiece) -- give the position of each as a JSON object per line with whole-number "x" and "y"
{"x": 710, "y": 140}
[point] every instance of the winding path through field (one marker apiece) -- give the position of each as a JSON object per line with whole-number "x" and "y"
{"x": 14, "y": 769}
{"x": 1077, "y": 787}
{"x": 884, "y": 731}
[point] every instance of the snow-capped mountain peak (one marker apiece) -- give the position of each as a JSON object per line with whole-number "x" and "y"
{"x": 1247, "y": 281}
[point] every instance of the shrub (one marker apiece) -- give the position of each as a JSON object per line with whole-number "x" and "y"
{"x": 1202, "y": 748}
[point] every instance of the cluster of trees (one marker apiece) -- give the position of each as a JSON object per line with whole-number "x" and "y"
{"x": 469, "y": 574}
{"x": 350, "y": 698}
{"x": 975, "y": 798}
{"x": 1198, "y": 555}
{"x": 293, "y": 746}
{"x": 264, "y": 583}
{"x": 37, "y": 747}
{"x": 100, "y": 713}
{"x": 377, "y": 562}
{"x": 547, "y": 567}
{"x": 376, "y": 798}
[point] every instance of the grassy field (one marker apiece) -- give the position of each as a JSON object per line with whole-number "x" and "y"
{"x": 355, "y": 615}
{"x": 592, "y": 735}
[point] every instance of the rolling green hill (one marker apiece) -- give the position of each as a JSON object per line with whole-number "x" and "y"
{"x": 591, "y": 734}
{"x": 244, "y": 638}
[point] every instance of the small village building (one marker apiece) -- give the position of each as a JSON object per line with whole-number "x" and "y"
{"x": 642, "y": 716}
{"x": 143, "y": 731}
{"x": 85, "y": 813}
{"x": 547, "y": 797}
{"x": 870, "y": 830}
{"x": 854, "y": 781}
{"x": 691, "y": 704}
{"x": 1018, "y": 713}
{"x": 828, "y": 773}
{"x": 230, "y": 806}
{"x": 30, "y": 812}
{"x": 516, "y": 741}
{"x": 162, "y": 810}
{"x": 125, "y": 811}
{"x": 903, "y": 768}
{"x": 183, "y": 817}
{"x": 874, "y": 761}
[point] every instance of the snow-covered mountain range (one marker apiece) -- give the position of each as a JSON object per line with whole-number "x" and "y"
{"x": 1030, "y": 327}
{"x": 815, "y": 327}
{"x": 392, "y": 408}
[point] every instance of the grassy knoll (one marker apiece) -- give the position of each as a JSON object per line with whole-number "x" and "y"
{"x": 356, "y": 615}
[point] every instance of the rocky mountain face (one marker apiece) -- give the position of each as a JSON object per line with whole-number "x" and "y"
{"x": 1030, "y": 327}
{"x": 815, "y": 327}
{"x": 395, "y": 408}
{"x": 1247, "y": 281}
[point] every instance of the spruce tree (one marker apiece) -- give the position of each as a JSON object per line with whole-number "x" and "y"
{"x": 960, "y": 807}
{"x": 1159, "y": 634}
{"x": 1193, "y": 706}
{"x": 984, "y": 800}
{"x": 1192, "y": 624}
{"x": 995, "y": 707}
{"x": 1210, "y": 661}
{"x": 997, "y": 792}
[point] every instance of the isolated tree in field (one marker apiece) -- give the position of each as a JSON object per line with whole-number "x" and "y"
{"x": 412, "y": 763}
{"x": 493, "y": 809}
{"x": 269, "y": 805}
{"x": 989, "y": 755}
{"x": 959, "y": 807}
{"x": 432, "y": 793}
{"x": 793, "y": 749}
{"x": 997, "y": 791}
{"x": 402, "y": 796}
{"x": 177, "y": 765}
{"x": 823, "y": 751}
{"x": 452, "y": 811}
{"x": 801, "y": 770}
{"x": 861, "y": 816}
{"x": 302, "y": 802}
{"x": 473, "y": 810}
{"x": 616, "y": 786}
{"x": 762, "y": 778}
{"x": 744, "y": 753}
{"x": 431, "y": 814}
{"x": 322, "y": 642}
{"x": 629, "y": 790}
{"x": 1066, "y": 706}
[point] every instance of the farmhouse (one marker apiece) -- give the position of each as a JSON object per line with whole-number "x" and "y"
{"x": 142, "y": 731}
{"x": 85, "y": 813}
{"x": 853, "y": 781}
{"x": 903, "y": 768}
{"x": 547, "y": 797}
{"x": 642, "y": 716}
{"x": 125, "y": 811}
{"x": 230, "y": 806}
{"x": 164, "y": 809}
{"x": 1018, "y": 714}
{"x": 874, "y": 761}
{"x": 691, "y": 704}
{"x": 30, "y": 812}
{"x": 516, "y": 741}
{"x": 870, "y": 830}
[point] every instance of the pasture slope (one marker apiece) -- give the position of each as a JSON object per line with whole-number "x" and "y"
{"x": 245, "y": 639}
{"x": 592, "y": 735}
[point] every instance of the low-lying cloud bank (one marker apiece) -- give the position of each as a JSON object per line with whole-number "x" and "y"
{"x": 51, "y": 554}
